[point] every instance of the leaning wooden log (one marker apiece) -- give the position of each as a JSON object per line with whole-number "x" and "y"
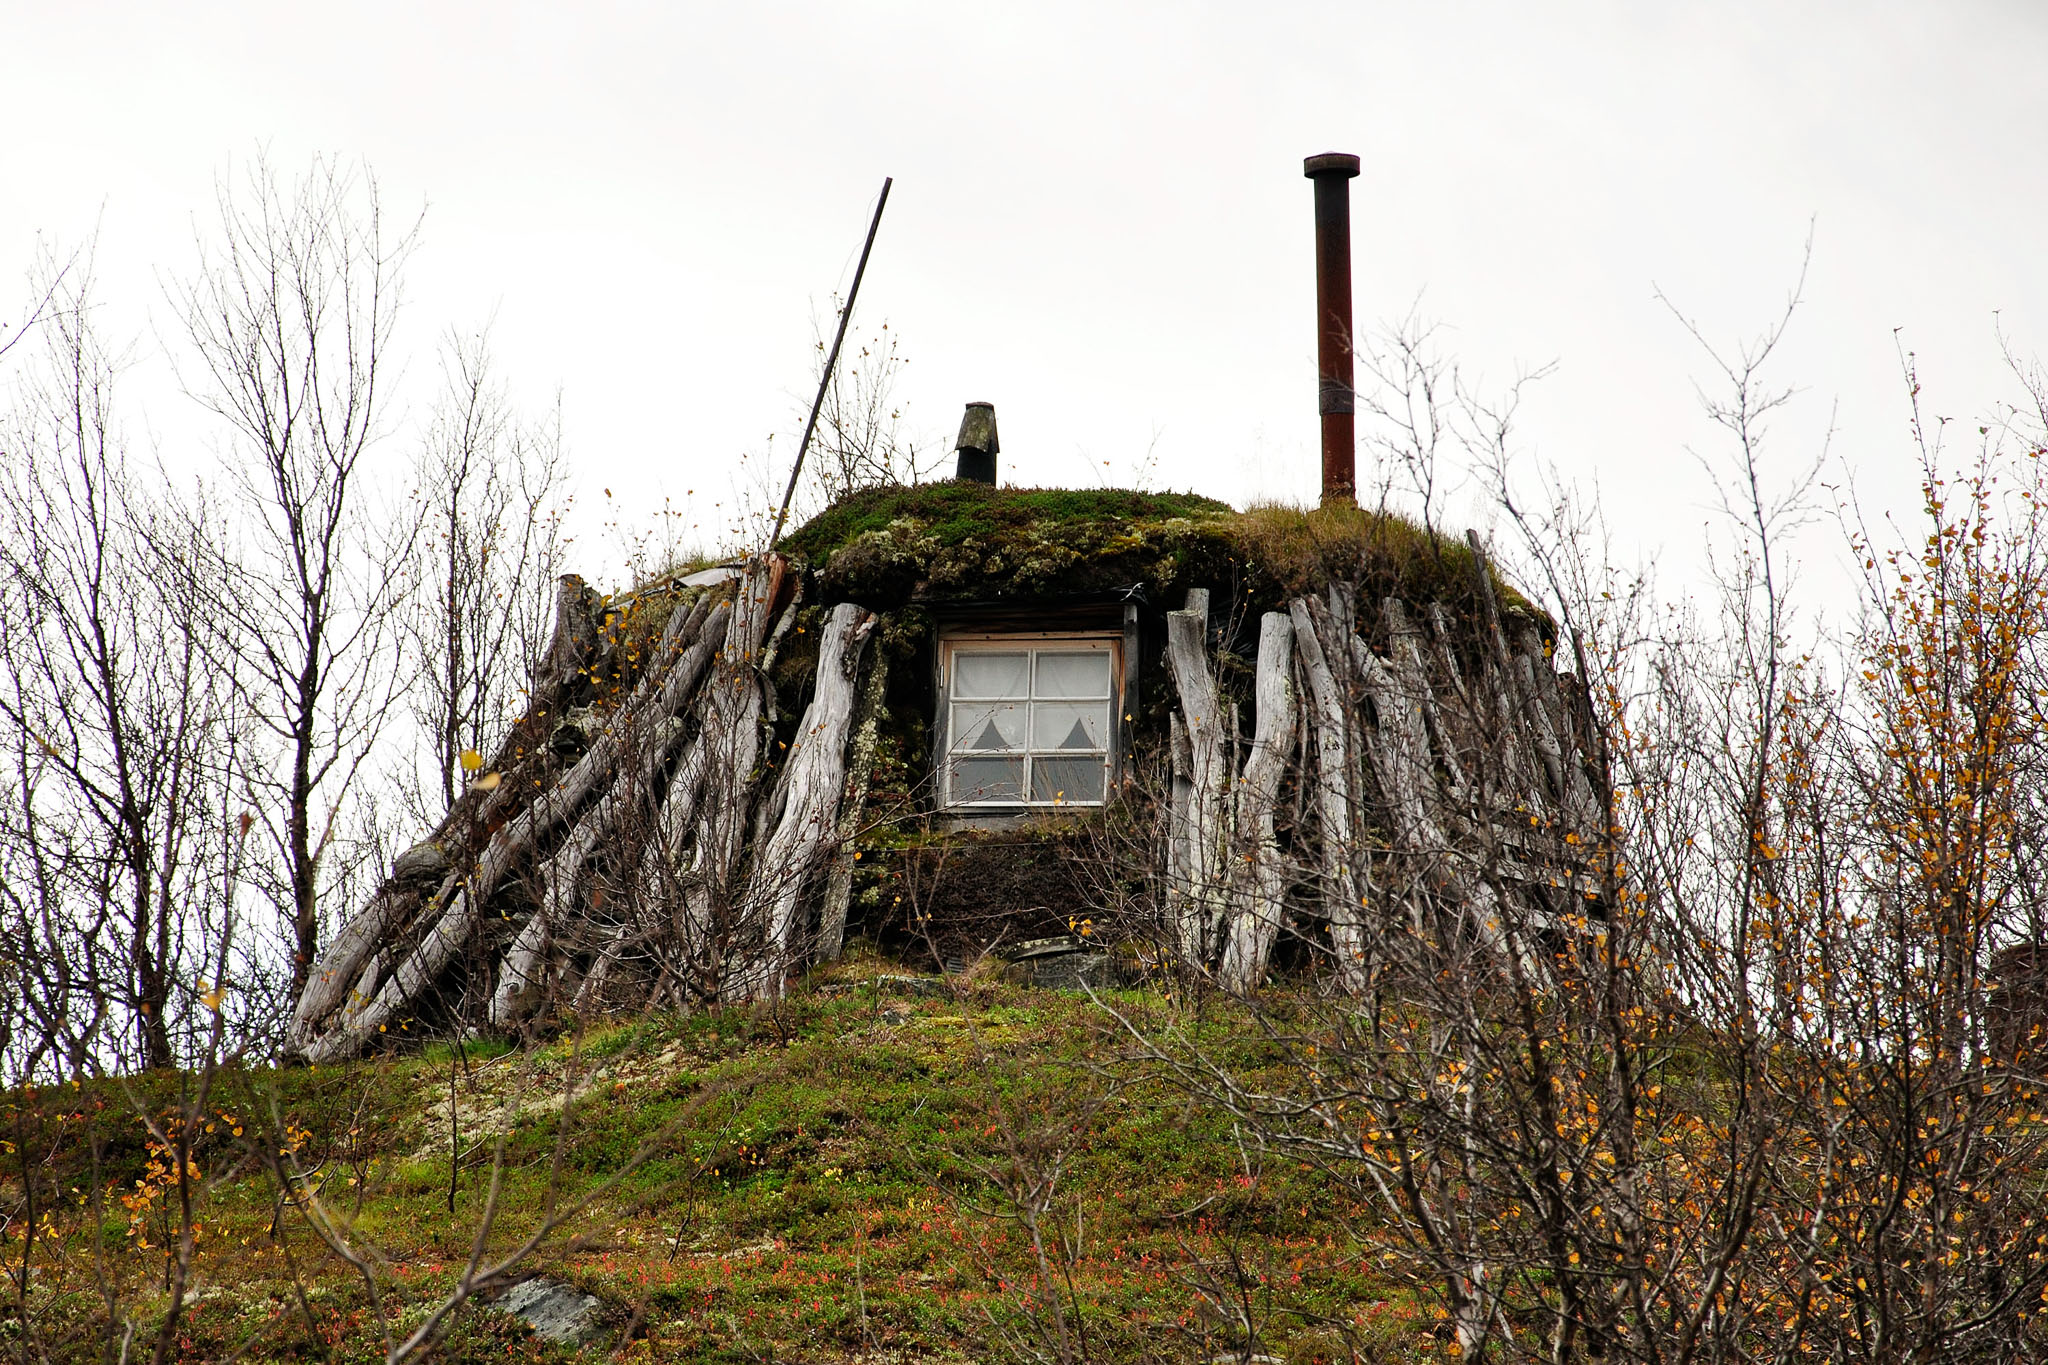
{"x": 1578, "y": 806}
{"x": 573, "y": 644}
{"x": 1343, "y": 888}
{"x": 531, "y": 966}
{"x": 706, "y": 873}
{"x": 360, "y": 952}
{"x": 1195, "y": 894}
{"x": 853, "y": 808}
{"x": 1258, "y": 881}
{"x": 457, "y": 909}
{"x": 649, "y": 736}
{"x": 806, "y": 829}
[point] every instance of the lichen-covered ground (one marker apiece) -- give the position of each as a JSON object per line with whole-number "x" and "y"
{"x": 843, "y": 1178}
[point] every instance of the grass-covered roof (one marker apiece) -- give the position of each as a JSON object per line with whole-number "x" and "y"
{"x": 965, "y": 541}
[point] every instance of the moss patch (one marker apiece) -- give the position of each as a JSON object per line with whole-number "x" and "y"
{"x": 965, "y": 541}
{"x": 955, "y": 513}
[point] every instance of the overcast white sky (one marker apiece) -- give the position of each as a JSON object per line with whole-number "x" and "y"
{"x": 1099, "y": 221}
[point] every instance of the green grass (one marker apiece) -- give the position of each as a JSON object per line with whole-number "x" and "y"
{"x": 821, "y": 1181}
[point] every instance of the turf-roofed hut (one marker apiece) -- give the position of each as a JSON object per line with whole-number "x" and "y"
{"x": 956, "y": 715}
{"x": 961, "y": 716}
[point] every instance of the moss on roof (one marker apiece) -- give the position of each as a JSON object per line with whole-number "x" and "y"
{"x": 960, "y": 541}
{"x": 955, "y": 512}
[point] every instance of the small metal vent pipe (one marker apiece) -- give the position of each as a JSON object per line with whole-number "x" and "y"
{"x": 1335, "y": 398}
{"x": 977, "y": 445}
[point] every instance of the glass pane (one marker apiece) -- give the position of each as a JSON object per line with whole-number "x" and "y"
{"x": 974, "y": 781}
{"x": 979, "y": 673}
{"x": 1070, "y": 725}
{"x": 987, "y": 725}
{"x": 1071, "y": 780}
{"x": 1073, "y": 674}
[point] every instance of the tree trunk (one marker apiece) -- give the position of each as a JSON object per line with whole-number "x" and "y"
{"x": 1345, "y": 869}
{"x": 1195, "y": 896}
{"x": 806, "y": 831}
{"x": 861, "y": 765}
{"x": 1257, "y": 882}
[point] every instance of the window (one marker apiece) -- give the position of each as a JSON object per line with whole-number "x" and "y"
{"x": 1028, "y": 722}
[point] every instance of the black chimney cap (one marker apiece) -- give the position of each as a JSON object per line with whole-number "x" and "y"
{"x": 977, "y": 444}
{"x": 1330, "y": 163}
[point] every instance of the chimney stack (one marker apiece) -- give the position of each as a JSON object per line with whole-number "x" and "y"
{"x": 977, "y": 444}
{"x": 1335, "y": 400}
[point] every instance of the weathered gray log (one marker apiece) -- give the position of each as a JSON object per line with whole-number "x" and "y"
{"x": 769, "y": 810}
{"x": 1452, "y": 749}
{"x": 534, "y": 962}
{"x": 730, "y": 735}
{"x": 853, "y": 807}
{"x": 1257, "y": 884}
{"x": 1514, "y": 750}
{"x": 1195, "y": 895}
{"x": 1345, "y": 870}
{"x": 650, "y": 734}
{"x": 806, "y": 830}
{"x": 356, "y": 955}
{"x": 1399, "y": 747}
{"x": 460, "y": 899}
{"x": 574, "y": 641}
{"x": 1578, "y": 806}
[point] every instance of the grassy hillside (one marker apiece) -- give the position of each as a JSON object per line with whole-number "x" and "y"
{"x": 856, "y": 1175}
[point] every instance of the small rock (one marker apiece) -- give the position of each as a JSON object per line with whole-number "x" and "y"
{"x": 555, "y": 1311}
{"x": 1073, "y": 972}
{"x": 1064, "y": 963}
{"x": 1056, "y": 946}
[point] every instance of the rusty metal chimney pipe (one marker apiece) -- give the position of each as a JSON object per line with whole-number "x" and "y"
{"x": 1335, "y": 398}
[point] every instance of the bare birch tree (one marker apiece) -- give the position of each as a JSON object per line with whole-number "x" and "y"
{"x": 493, "y": 489}
{"x": 290, "y": 313}
{"x": 118, "y": 734}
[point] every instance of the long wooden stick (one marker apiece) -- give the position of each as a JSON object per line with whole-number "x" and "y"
{"x": 831, "y": 364}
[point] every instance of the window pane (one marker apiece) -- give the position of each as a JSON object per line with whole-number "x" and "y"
{"x": 979, "y": 673}
{"x": 1078, "y": 780}
{"x": 1070, "y": 725}
{"x": 987, "y": 725}
{"x": 1073, "y": 674}
{"x": 977, "y": 780}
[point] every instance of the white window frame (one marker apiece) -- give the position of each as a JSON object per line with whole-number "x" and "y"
{"x": 1108, "y": 644}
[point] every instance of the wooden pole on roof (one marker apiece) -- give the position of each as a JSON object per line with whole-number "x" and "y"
{"x": 831, "y": 363}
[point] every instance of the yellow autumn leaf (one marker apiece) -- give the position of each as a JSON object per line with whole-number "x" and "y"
{"x": 471, "y": 760}
{"x": 211, "y": 996}
{"x": 489, "y": 782}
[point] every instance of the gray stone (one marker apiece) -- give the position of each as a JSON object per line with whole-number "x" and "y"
{"x": 1056, "y": 946}
{"x": 555, "y": 1311}
{"x": 1065, "y": 962}
{"x": 1069, "y": 971}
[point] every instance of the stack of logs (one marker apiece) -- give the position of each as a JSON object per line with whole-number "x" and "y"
{"x": 1456, "y": 771}
{"x": 660, "y": 867}
{"x": 672, "y": 865}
